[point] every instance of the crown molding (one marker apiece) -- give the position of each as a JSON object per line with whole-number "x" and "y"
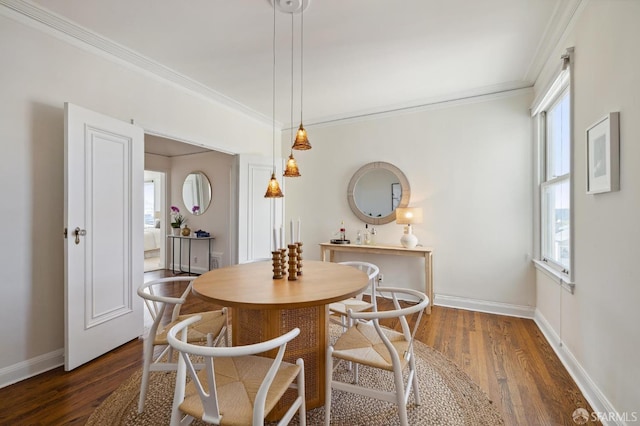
{"x": 563, "y": 19}
{"x": 84, "y": 38}
{"x": 47, "y": 21}
{"x": 483, "y": 94}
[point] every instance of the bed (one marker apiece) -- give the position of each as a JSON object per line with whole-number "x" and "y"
{"x": 152, "y": 240}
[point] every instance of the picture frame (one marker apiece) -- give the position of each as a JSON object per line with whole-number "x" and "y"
{"x": 603, "y": 155}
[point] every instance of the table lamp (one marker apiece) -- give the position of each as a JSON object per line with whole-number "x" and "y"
{"x": 408, "y": 216}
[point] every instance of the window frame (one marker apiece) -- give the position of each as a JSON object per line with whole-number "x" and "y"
{"x": 560, "y": 88}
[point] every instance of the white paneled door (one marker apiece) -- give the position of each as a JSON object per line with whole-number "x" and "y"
{"x": 257, "y": 216}
{"x": 104, "y": 176}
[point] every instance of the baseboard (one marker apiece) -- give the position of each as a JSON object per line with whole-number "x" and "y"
{"x": 489, "y": 307}
{"x": 31, "y": 367}
{"x": 601, "y": 406}
{"x": 185, "y": 268}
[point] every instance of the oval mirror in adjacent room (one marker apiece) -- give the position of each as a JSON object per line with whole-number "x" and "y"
{"x": 376, "y": 190}
{"x": 196, "y": 192}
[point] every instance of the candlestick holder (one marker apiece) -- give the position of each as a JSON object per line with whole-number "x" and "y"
{"x": 299, "y": 252}
{"x": 276, "y": 256}
{"x": 293, "y": 262}
{"x": 283, "y": 261}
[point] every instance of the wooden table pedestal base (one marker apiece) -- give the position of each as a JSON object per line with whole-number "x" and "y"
{"x": 253, "y": 326}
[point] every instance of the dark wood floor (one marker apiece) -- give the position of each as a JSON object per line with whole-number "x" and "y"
{"x": 507, "y": 357}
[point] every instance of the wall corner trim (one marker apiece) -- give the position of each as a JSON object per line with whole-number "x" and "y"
{"x": 31, "y": 367}
{"x": 598, "y": 401}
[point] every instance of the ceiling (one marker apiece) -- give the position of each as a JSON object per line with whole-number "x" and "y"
{"x": 361, "y": 57}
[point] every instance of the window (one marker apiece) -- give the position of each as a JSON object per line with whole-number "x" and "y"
{"x": 149, "y": 203}
{"x": 555, "y": 185}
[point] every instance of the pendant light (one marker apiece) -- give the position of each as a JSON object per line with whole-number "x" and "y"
{"x": 273, "y": 190}
{"x": 292, "y": 167}
{"x": 302, "y": 141}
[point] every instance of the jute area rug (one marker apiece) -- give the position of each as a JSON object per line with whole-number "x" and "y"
{"x": 449, "y": 397}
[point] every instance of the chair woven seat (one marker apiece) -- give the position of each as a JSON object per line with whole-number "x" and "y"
{"x": 237, "y": 382}
{"x": 212, "y": 323}
{"x": 362, "y": 344}
{"x": 354, "y": 304}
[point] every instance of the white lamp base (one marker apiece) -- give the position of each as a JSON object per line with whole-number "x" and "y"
{"x": 409, "y": 240}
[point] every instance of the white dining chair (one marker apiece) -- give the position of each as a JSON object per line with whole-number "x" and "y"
{"x": 236, "y": 387}
{"x": 368, "y": 343}
{"x": 338, "y": 310}
{"x": 210, "y": 331}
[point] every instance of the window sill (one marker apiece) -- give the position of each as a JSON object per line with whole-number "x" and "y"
{"x": 558, "y": 277}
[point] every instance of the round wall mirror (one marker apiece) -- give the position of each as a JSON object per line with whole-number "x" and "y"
{"x": 196, "y": 193}
{"x": 376, "y": 190}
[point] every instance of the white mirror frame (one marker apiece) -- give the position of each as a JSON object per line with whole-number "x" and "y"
{"x": 404, "y": 200}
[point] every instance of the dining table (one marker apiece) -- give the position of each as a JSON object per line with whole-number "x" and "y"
{"x": 263, "y": 307}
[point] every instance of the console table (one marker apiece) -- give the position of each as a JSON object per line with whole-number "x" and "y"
{"x": 424, "y": 252}
{"x": 180, "y": 239}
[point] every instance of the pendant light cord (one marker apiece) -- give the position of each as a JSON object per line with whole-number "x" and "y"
{"x": 301, "y": 56}
{"x": 273, "y": 135}
{"x": 291, "y": 125}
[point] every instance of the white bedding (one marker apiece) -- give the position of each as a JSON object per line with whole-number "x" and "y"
{"x": 151, "y": 238}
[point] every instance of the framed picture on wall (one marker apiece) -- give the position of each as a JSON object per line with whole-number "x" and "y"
{"x": 603, "y": 155}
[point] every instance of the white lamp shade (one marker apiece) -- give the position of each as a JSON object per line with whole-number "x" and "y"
{"x": 408, "y": 215}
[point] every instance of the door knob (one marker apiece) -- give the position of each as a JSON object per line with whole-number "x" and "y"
{"x": 79, "y": 232}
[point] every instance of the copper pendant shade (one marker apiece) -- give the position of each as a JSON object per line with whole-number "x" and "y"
{"x": 292, "y": 168}
{"x": 302, "y": 141}
{"x": 273, "y": 190}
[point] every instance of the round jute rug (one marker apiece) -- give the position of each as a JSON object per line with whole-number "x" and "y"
{"x": 449, "y": 397}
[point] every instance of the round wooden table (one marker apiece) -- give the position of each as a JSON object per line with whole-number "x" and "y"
{"x": 263, "y": 308}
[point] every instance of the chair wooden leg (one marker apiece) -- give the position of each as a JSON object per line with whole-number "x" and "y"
{"x": 416, "y": 389}
{"x": 328, "y": 380}
{"x": 178, "y": 393}
{"x": 302, "y": 411}
{"x": 402, "y": 407}
{"x": 146, "y": 366}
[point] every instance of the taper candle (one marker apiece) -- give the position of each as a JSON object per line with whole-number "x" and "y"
{"x": 291, "y": 230}
{"x": 275, "y": 239}
{"x": 281, "y": 237}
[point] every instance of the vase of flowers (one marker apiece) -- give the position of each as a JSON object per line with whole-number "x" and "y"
{"x": 177, "y": 220}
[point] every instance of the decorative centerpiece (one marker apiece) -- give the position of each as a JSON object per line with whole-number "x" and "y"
{"x": 277, "y": 264}
{"x": 299, "y": 258}
{"x": 293, "y": 262}
{"x": 287, "y": 259}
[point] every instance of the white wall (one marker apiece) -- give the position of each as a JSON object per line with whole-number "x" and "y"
{"x": 598, "y": 324}
{"x": 469, "y": 167}
{"x": 216, "y": 219}
{"x": 38, "y": 74}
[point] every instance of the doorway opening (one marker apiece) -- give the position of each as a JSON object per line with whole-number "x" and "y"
{"x": 154, "y": 240}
